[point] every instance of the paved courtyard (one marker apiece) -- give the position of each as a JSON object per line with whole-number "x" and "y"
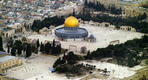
{"x": 103, "y": 37}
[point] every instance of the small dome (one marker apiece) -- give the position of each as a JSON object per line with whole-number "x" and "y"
{"x": 71, "y": 22}
{"x": 91, "y": 37}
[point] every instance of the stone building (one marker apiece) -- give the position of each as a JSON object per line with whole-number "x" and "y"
{"x": 127, "y": 28}
{"x": 7, "y": 62}
{"x": 6, "y": 32}
{"x": 44, "y": 30}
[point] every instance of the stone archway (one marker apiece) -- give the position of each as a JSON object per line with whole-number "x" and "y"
{"x": 73, "y": 48}
{"x": 114, "y": 42}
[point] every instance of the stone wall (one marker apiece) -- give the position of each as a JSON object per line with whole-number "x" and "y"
{"x": 10, "y": 63}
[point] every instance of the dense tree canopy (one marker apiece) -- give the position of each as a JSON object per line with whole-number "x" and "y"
{"x": 13, "y": 51}
{"x": 47, "y": 22}
{"x": 68, "y": 64}
{"x": 136, "y": 22}
{"x": 70, "y": 58}
{"x": 130, "y": 53}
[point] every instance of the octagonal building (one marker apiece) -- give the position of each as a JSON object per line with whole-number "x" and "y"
{"x": 71, "y": 29}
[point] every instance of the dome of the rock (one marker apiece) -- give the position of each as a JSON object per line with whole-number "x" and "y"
{"x": 71, "y": 29}
{"x": 71, "y": 22}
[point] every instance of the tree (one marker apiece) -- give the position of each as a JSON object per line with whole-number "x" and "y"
{"x": 13, "y": 51}
{"x": 83, "y": 49}
{"x": 57, "y": 62}
{"x": 105, "y": 71}
{"x": 141, "y": 17}
{"x": 85, "y": 2}
{"x": 34, "y": 47}
{"x": 24, "y": 39}
{"x": 38, "y": 43}
{"x": 42, "y": 47}
{"x": 10, "y": 42}
{"x": 19, "y": 51}
{"x": 18, "y": 45}
{"x": 53, "y": 43}
{"x": 1, "y": 44}
{"x": 47, "y": 47}
{"x": 58, "y": 49}
{"x": 24, "y": 46}
{"x": 72, "y": 58}
{"x": 62, "y": 69}
{"x": 54, "y": 50}
{"x": 8, "y": 49}
{"x": 28, "y": 51}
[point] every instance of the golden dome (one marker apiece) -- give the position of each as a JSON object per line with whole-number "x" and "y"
{"x": 71, "y": 22}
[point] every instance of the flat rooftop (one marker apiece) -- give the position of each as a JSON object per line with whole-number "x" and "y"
{"x": 6, "y": 58}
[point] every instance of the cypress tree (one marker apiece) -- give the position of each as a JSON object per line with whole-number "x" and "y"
{"x": 42, "y": 47}
{"x": 28, "y": 51}
{"x": 18, "y": 45}
{"x": 13, "y": 51}
{"x": 38, "y": 43}
{"x": 1, "y": 44}
{"x": 47, "y": 47}
{"x": 8, "y": 49}
{"x": 53, "y": 44}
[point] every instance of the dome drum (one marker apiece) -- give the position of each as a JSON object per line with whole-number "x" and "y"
{"x": 70, "y": 28}
{"x": 78, "y": 33}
